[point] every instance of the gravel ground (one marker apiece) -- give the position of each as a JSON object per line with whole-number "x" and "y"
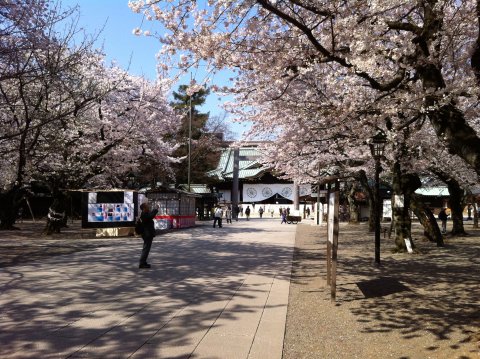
{"x": 423, "y": 305}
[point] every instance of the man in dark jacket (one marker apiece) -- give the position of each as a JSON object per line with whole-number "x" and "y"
{"x": 148, "y": 233}
{"x": 443, "y": 216}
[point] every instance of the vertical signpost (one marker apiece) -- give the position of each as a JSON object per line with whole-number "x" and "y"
{"x": 332, "y": 238}
{"x": 318, "y": 220}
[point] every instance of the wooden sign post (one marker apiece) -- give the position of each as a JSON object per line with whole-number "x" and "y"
{"x": 332, "y": 240}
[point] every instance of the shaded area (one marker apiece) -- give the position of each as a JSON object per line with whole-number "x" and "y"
{"x": 381, "y": 287}
{"x": 97, "y": 303}
{"x": 11, "y": 255}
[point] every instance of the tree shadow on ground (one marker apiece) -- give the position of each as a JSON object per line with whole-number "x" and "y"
{"x": 99, "y": 301}
{"x": 437, "y": 291}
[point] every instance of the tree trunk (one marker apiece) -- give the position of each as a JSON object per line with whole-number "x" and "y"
{"x": 457, "y": 197}
{"x": 353, "y": 206}
{"x": 461, "y": 139}
{"x": 447, "y": 120}
{"x": 404, "y": 185}
{"x": 362, "y": 177}
{"x": 475, "y": 214}
{"x": 456, "y": 207}
{"x": 427, "y": 219}
{"x": 11, "y": 201}
{"x": 401, "y": 223}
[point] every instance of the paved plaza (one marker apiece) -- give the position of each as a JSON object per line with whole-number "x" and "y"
{"x": 224, "y": 293}
{"x": 211, "y": 293}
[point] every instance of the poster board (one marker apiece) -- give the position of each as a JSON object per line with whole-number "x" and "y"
{"x": 109, "y": 209}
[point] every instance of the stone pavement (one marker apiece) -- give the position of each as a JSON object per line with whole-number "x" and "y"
{"x": 211, "y": 293}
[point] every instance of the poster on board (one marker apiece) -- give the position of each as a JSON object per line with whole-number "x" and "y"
{"x": 108, "y": 209}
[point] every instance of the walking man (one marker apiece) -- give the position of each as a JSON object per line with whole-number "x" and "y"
{"x": 217, "y": 216}
{"x": 148, "y": 232}
{"x": 228, "y": 214}
{"x": 443, "y": 217}
{"x": 260, "y": 212}
{"x": 247, "y": 213}
{"x": 236, "y": 212}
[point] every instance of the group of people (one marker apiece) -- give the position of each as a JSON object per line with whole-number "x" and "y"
{"x": 219, "y": 213}
{"x": 238, "y": 211}
{"x": 148, "y": 229}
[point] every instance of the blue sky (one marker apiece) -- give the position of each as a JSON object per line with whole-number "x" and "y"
{"x": 136, "y": 53}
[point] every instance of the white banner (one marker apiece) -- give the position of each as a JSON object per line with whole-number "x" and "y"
{"x": 331, "y": 216}
{"x": 257, "y": 192}
{"x": 387, "y": 208}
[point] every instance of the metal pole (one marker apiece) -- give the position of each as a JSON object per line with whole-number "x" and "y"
{"x": 336, "y": 227}
{"x": 377, "y": 211}
{"x": 329, "y": 229}
{"x": 189, "y": 136}
{"x": 317, "y": 217}
{"x": 30, "y": 209}
{"x": 296, "y": 196}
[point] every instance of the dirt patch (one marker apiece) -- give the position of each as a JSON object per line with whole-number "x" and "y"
{"x": 424, "y": 305}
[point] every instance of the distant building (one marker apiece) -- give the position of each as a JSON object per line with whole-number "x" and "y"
{"x": 257, "y": 183}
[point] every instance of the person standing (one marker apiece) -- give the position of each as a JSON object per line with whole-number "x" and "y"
{"x": 236, "y": 212}
{"x": 247, "y": 213}
{"x": 260, "y": 212}
{"x": 217, "y": 216}
{"x": 228, "y": 214}
{"x": 148, "y": 232}
{"x": 443, "y": 217}
{"x": 284, "y": 217}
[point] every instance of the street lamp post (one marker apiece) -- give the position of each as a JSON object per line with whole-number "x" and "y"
{"x": 377, "y": 146}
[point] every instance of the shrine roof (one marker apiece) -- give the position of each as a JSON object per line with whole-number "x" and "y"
{"x": 249, "y": 166}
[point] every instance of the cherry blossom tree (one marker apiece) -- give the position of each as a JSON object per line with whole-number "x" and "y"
{"x": 320, "y": 77}
{"x": 123, "y": 130}
{"x": 123, "y": 133}
{"x": 68, "y": 120}
{"x": 35, "y": 65}
{"x": 422, "y": 46}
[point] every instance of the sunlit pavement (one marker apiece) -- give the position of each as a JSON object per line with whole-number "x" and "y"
{"x": 211, "y": 293}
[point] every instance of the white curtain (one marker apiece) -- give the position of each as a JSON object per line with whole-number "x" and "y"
{"x": 257, "y": 192}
